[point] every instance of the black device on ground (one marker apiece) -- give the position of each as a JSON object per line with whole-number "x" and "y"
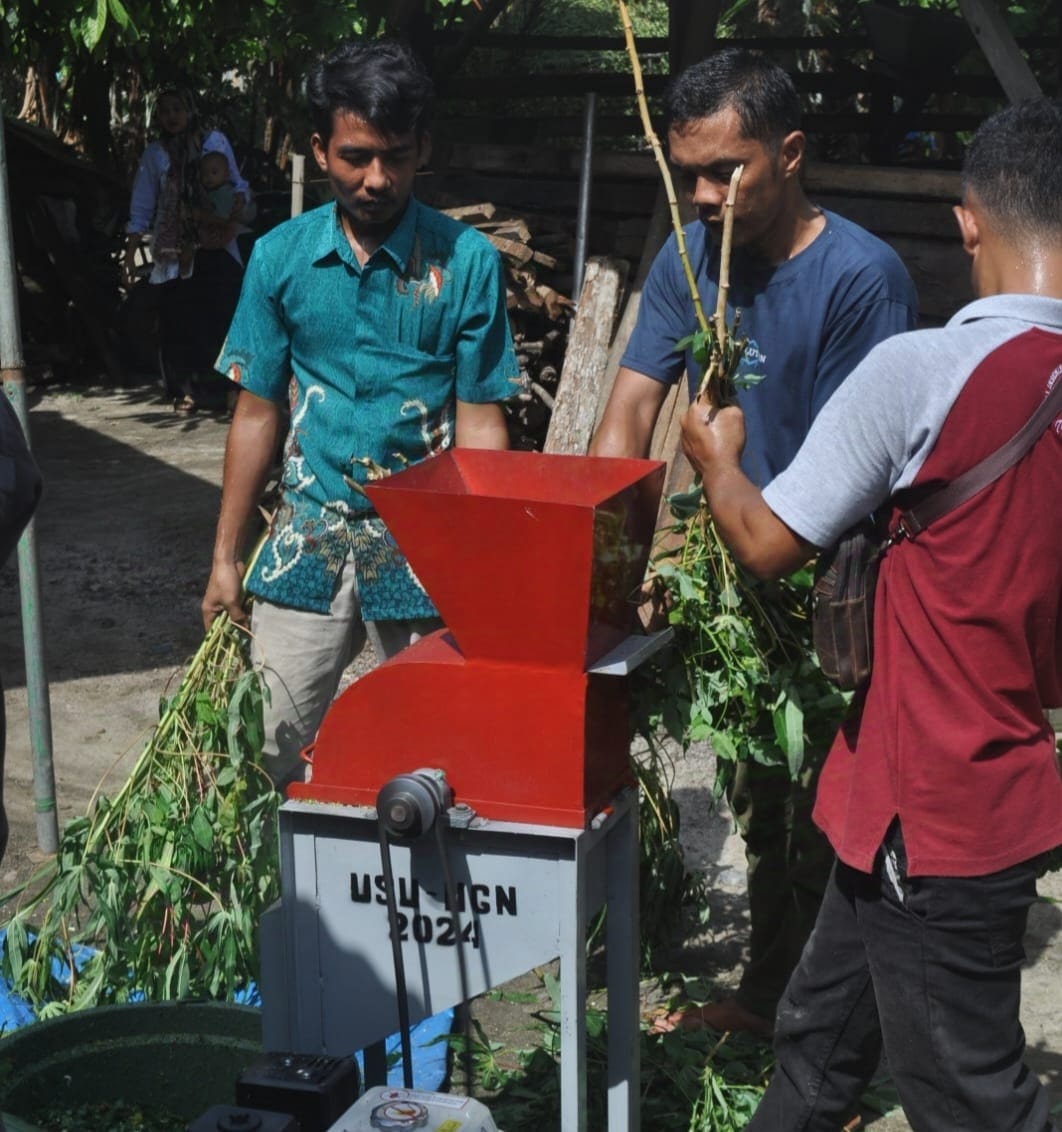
{"x": 314, "y": 1089}
{"x": 234, "y": 1118}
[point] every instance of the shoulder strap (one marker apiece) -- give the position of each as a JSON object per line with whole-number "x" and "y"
{"x": 949, "y": 497}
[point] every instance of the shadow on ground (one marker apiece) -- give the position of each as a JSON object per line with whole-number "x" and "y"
{"x": 123, "y": 532}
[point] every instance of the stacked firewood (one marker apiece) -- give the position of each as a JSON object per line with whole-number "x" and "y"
{"x": 539, "y": 311}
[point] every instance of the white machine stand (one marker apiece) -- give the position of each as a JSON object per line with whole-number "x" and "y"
{"x": 526, "y": 894}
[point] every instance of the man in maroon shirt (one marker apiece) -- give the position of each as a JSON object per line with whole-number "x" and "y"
{"x": 942, "y": 794}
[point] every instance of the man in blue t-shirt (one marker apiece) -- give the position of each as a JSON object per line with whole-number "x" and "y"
{"x": 815, "y": 293}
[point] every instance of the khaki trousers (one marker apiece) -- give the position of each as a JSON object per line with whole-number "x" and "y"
{"x": 302, "y": 655}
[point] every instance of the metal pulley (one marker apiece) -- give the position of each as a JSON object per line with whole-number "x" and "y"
{"x": 409, "y": 805}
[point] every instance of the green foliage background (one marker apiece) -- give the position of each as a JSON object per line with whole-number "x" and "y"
{"x": 87, "y": 68}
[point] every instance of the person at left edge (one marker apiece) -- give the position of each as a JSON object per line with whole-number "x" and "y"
{"x": 381, "y": 325}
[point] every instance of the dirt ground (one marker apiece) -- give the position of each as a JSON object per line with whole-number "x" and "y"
{"x": 124, "y": 535}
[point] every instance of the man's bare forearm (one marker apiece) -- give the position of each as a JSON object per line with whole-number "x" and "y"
{"x": 249, "y": 453}
{"x": 713, "y": 441}
{"x": 481, "y": 426}
{"x": 626, "y": 427}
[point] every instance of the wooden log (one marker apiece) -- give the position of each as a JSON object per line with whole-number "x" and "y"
{"x": 528, "y": 194}
{"x": 659, "y": 229}
{"x": 586, "y": 357}
{"x": 470, "y": 212}
{"x": 654, "y": 44}
{"x": 511, "y": 229}
{"x": 512, "y": 250}
{"x": 544, "y": 260}
{"x": 854, "y": 80}
{"x": 477, "y": 127}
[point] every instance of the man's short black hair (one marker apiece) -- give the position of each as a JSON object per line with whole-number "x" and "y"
{"x": 1013, "y": 166}
{"x": 379, "y": 80}
{"x": 761, "y": 93}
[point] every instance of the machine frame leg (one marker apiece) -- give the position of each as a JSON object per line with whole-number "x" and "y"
{"x": 573, "y": 922}
{"x": 622, "y": 945}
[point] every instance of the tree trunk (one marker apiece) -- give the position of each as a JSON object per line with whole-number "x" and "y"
{"x": 449, "y": 62}
{"x": 29, "y": 95}
{"x": 691, "y": 31}
{"x": 90, "y": 111}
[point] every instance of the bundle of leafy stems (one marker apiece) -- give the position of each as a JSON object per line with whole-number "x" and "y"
{"x": 156, "y": 893}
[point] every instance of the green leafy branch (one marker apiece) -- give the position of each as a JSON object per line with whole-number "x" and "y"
{"x": 157, "y": 892}
{"x": 742, "y": 675}
{"x": 697, "y": 1081}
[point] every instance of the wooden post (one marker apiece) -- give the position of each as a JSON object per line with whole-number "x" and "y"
{"x": 298, "y": 181}
{"x": 571, "y": 424}
{"x": 657, "y": 233}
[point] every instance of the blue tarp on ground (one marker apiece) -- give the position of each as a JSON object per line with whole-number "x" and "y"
{"x": 16, "y": 1011}
{"x": 430, "y": 1058}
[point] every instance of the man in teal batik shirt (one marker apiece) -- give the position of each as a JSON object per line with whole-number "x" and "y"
{"x": 375, "y": 330}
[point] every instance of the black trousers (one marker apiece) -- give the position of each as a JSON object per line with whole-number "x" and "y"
{"x": 928, "y": 968}
{"x": 194, "y": 317}
{"x": 788, "y": 866}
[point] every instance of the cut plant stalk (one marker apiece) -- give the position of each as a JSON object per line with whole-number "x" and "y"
{"x": 725, "y": 351}
{"x": 661, "y": 162}
{"x": 714, "y": 345}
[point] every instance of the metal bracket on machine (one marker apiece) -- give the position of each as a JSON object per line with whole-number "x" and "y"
{"x": 632, "y": 652}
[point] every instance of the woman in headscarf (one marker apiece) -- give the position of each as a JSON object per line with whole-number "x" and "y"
{"x": 196, "y": 303}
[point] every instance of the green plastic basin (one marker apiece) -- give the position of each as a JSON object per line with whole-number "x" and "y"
{"x": 181, "y": 1057}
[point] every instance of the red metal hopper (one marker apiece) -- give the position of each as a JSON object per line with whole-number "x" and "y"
{"x": 532, "y": 561}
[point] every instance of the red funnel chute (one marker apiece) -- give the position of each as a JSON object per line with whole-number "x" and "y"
{"x": 527, "y": 557}
{"x": 532, "y": 561}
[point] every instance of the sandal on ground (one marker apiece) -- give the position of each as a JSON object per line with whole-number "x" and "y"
{"x": 186, "y": 405}
{"x": 727, "y": 1016}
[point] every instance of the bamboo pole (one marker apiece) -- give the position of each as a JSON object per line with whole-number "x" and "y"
{"x": 37, "y": 695}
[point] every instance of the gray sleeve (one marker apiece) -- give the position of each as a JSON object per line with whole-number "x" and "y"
{"x": 875, "y": 432}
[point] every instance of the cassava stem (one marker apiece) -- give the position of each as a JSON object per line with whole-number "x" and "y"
{"x": 661, "y": 161}
{"x": 713, "y": 376}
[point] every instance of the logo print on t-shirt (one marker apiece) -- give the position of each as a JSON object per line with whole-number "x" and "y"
{"x": 753, "y": 355}
{"x": 753, "y": 367}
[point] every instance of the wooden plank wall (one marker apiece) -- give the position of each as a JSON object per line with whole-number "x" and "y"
{"x": 909, "y": 208}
